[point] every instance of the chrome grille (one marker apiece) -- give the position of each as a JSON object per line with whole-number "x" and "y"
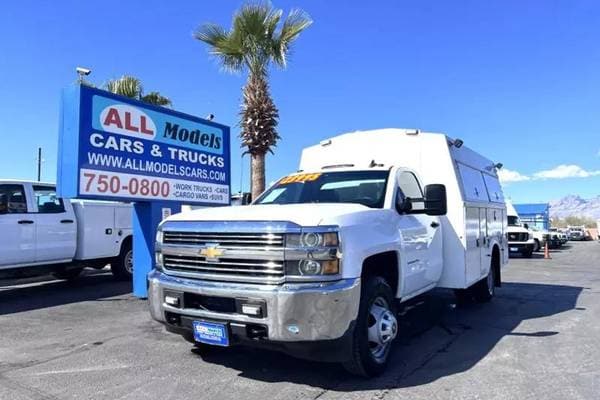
{"x": 237, "y": 257}
{"x": 225, "y": 266}
{"x": 518, "y": 236}
{"x": 224, "y": 239}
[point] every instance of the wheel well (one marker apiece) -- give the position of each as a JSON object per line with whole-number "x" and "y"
{"x": 127, "y": 241}
{"x": 496, "y": 265}
{"x": 384, "y": 265}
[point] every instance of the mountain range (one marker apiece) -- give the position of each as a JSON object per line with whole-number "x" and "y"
{"x": 576, "y": 206}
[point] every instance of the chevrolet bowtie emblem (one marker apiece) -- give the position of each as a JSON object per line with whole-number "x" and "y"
{"x": 211, "y": 252}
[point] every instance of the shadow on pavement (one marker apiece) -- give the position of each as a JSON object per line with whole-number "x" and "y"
{"x": 437, "y": 339}
{"x": 18, "y": 295}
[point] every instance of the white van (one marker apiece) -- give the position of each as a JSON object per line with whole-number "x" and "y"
{"x": 317, "y": 264}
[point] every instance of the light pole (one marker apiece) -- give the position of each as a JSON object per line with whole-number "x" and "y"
{"x": 39, "y": 164}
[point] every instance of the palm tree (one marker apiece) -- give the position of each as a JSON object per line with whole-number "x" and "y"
{"x": 131, "y": 87}
{"x": 255, "y": 40}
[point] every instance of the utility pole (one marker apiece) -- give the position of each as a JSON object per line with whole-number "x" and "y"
{"x": 39, "y": 164}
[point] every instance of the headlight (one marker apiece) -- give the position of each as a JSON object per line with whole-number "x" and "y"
{"x": 312, "y": 253}
{"x": 158, "y": 261}
{"x": 313, "y": 267}
{"x": 158, "y": 257}
{"x": 312, "y": 239}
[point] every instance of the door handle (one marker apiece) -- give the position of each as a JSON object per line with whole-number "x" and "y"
{"x": 25, "y": 221}
{"x": 434, "y": 224}
{"x": 66, "y": 221}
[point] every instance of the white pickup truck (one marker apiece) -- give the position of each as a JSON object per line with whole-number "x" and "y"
{"x": 43, "y": 233}
{"x": 318, "y": 265}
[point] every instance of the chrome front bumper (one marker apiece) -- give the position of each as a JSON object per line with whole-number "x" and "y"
{"x": 295, "y": 312}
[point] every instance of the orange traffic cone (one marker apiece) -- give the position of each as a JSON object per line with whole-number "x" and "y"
{"x": 547, "y": 252}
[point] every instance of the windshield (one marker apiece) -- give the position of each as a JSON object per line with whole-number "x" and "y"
{"x": 361, "y": 187}
{"x": 513, "y": 221}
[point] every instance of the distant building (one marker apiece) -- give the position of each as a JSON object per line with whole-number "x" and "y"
{"x": 537, "y": 214}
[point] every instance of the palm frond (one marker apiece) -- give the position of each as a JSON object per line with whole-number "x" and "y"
{"x": 156, "y": 99}
{"x": 296, "y": 21}
{"x": 128, "y": 86}
{"x": 223, "y": 45}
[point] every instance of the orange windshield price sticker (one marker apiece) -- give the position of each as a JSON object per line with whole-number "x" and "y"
{"x": 299, "y": 178}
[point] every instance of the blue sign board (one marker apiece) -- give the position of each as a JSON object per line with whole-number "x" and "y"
{"x": 115, "y": 148}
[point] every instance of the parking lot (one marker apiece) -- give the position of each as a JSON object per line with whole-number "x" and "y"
{"x": 93, "y": 339}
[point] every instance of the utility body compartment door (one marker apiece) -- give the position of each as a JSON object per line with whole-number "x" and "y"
{"x": 17, "y": 224}
{"x": 102, "y": 227}
{"x": 477, "y": 243}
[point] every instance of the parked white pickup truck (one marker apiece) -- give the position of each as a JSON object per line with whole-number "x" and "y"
{"x": 43, "y": 233}
{"x": 318, "y": 264}
{"x": 520, "y": 239}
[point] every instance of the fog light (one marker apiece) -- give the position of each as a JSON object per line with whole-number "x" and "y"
{"x": 251, "y": 309}
{"x": 310, "y": 267}
{"x": 172, "y": 301}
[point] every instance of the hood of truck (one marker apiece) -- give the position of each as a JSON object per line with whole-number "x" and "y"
{"x": 309, "y": 214}
{"x": 516, "y": 229}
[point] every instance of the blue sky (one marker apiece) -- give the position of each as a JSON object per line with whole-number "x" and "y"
{"x": 517, "y": 81}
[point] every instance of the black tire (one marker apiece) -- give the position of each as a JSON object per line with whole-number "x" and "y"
{"x": 485, "y": 289}
{"x": 536, "y": 245}
{"x": 68, "y": 275}
{"x": 463, "y": 296}
{"x": 122, "y": 266}
{"x": 368, "y": 358}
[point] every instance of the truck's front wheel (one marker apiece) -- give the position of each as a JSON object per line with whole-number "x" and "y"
{"x": 122, "y": 266}
{"x": 375, "y": 329}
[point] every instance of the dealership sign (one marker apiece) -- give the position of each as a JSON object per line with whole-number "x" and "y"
{"x": 115, "y": 148}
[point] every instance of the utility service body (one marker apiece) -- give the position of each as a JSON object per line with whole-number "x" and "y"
{"x": 138, "y": 152}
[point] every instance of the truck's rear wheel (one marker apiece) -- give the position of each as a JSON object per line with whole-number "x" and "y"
{"x": 122, "y": 266}
{"x": 68, "y": 275}
{"x": 485, "y": 289}
{"x": 375, "y": 329}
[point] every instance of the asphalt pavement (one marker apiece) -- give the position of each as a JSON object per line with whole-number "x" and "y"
{"x": 538, "y": 339}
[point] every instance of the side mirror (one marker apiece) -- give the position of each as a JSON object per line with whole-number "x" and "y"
{"x": 435, "y": 200}
{"x": 526, "y": 226}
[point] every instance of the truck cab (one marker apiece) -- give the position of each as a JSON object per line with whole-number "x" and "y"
{"x": 317, "y": 265}
{"x": 37, "y": 226}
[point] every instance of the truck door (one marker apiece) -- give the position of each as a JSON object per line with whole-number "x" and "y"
{"x": 17, "y": 245}
{"x": 56, "y": 227}
{"x": 422, "y": 239}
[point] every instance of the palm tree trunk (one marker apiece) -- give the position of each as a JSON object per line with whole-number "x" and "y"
{"x": 258, "y": 174}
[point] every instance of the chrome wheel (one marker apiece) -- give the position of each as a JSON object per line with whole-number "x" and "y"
{"x": 382, "y": 329}
{"x": 128, "y": 262}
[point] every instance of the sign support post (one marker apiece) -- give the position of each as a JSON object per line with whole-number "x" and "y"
{"x": 146, "y": 217}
